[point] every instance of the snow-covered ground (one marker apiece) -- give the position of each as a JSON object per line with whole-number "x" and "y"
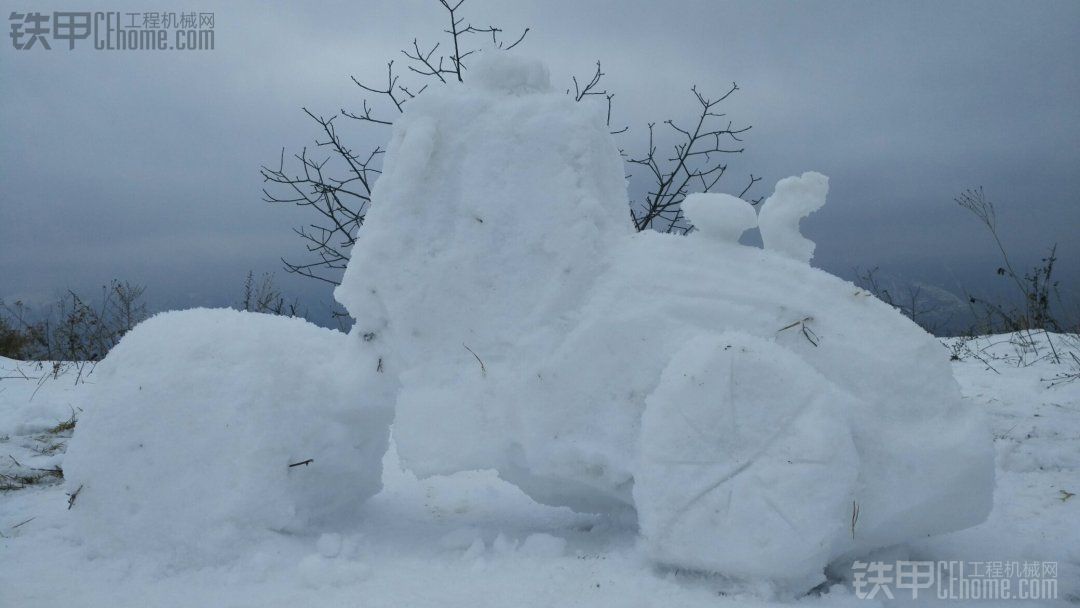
{"x": 471, "y": 539}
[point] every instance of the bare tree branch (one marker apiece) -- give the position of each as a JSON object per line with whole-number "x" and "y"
{"x": 338, "y": 187}
{"x": 694, "y": 165}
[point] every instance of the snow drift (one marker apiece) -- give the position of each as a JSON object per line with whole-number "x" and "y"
{"x": 744, "y": 403}
{"x": 191, "y": 423}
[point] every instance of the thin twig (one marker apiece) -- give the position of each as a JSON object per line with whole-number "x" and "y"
{"x": 73, "y": 496}
{"x": 483, "y": 370}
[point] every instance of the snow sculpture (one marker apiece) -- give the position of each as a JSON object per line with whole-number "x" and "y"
{"x": 742, "y": 402}
{"x": 720, "y": 216}
{"x": 741, "y": 446}
{"x": 204, "y": 429}
{"x": 794, "y": 199}
{"x": 762, "y": 418}
{"x": 497, "y": 207}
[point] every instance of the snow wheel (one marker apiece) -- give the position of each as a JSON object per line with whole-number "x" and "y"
{"x": 747, "y": 466}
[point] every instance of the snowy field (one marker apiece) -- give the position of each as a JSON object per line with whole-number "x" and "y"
{"x": 530, "y": 411}
{"x": 471, "y": 539}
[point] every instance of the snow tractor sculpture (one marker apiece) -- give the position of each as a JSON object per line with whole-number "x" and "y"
{"x": 745, "y": 405}
{"x": 762, "y": 418}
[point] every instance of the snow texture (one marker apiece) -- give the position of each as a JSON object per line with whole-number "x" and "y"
{"x": 533, "y": 333}
{"x": 491, "y": 220}
{"x": 793, "y": 199}
{"x": 440, "y": 530}
{"x": 41, "y": 404}
{"x": 720, "y": 216}
{"x": 192, "y": 421}
{"x": 742, "y": 449}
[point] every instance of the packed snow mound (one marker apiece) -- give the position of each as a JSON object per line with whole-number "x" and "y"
{"x": 794, "y": 199}
{"x": 535, "y": 334}
{"x": 741, "y": 439}
{"x": 720, "y": 216}
{"x": 493, "y": 209}
{"x": 491, "y": 220}
{"x": 924, "y": 457}
{"x": 194, "y": 425}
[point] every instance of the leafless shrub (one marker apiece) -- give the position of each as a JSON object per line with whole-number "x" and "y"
{"x": 694, "y": 166}
{"x": 13, "y": 341}
{"x": 262, "y": 295}
{"x": 335, "y": 181}
{"x": 911, "y": 301}
{"x": 75, "y": 328}
{"x": 1037, "y": 288}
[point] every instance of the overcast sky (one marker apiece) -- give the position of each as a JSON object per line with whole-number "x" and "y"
{"x": 144, "y": 165}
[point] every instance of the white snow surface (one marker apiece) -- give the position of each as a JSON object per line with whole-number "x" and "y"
{"x": 42, "y": 399}
{"x": 533, "y": 333}
{"x": 464, "y": 540}
{"x": 742, "y": 451}
{"x": 512, "y": 198}
{"x": 720, "y": 216}
{"x": 492, "y": 219}
{"x": 189, "y": 427}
